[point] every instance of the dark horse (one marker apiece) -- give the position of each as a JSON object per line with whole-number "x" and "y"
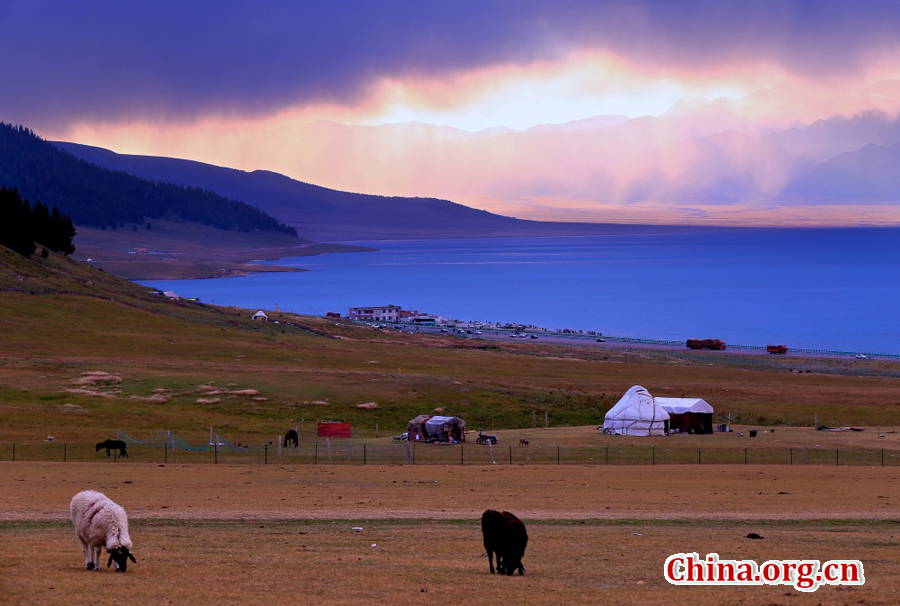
{"x": 112, "y": 445}
{"x": 291, "y": 438}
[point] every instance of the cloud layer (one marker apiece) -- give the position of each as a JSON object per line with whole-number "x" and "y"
{"x": 248, "y": 84}
{"x": 62, "y": 62}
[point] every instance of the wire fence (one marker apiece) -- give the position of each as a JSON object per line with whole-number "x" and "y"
{"x": 346, "y": 452}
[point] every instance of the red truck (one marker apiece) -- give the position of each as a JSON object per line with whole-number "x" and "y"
{"x": 706, "y": 344}
{"x": 776, "y": 349}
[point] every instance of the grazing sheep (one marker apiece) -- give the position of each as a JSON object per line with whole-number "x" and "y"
{"x": 291, "y": 439}
{"x": 114, "y": 445}
{"x": 504, "y": 534}
{"x": 100, "y": 523}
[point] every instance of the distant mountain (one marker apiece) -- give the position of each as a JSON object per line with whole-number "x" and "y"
{"x": 99, "y": 197}
{"x": 586, "y": 124}
{"x": 871, "y": 174}
{"x": 703, "y": 161}
{"x": 324, "y": 214}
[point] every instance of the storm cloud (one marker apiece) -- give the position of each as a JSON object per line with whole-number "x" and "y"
{"x": 65, "y": 62}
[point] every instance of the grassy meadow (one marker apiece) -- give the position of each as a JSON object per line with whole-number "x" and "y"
{"x": 85, "y": 353}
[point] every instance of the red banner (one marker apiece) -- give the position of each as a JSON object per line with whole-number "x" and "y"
{"x": 334, "y": 430}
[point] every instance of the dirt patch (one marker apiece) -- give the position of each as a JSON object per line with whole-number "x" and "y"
{"x": 71, "y": 408}
{"x": 41, "y": 491}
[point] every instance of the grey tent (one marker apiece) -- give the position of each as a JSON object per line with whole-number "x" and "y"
{"x": 434, "y": 428}
{"x": 692, "y": 415}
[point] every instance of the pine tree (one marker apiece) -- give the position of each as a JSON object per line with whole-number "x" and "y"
{"x": 63, "y": 232}
{"x": 15, "y": 222}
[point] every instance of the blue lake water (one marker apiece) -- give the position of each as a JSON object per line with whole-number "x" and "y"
{"x": 810, "y": 288}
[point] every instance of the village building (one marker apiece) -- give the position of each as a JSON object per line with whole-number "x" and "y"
{"x": 385, "y": 313}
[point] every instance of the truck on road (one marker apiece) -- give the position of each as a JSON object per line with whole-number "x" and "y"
{"x": 717, "y": 344}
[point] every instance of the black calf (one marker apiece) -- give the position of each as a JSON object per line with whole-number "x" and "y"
{"x": 505, "y": 535}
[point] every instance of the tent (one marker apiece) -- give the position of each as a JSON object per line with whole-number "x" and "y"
{"x": 260, "y": 315}
{"x": 691, "y": 415}
{"x": 434, "y": 428}
{"x": 636, "y": 414}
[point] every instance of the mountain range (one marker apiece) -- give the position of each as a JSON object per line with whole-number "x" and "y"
{"x": 328, "y": 215}
{"x": 102, "y": 198}
{"x": 694, "y": 164}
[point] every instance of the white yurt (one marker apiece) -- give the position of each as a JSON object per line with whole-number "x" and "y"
{"x": 636, "y": 414}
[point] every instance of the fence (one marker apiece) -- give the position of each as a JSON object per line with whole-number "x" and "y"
{"x": 350, "y": 453}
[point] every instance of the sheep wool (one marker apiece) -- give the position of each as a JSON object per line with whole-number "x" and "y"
{"x": 101, "y": 524}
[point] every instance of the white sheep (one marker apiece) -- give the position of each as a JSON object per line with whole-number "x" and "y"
{"x": 100, "y": 523}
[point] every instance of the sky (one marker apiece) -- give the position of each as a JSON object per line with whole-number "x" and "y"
{"x": 325, "y": 91}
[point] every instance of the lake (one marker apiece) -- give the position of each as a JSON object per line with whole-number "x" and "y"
{"x": 833, "y": 289}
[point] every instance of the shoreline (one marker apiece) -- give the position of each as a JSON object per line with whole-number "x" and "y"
{"x": 504, "y": 335}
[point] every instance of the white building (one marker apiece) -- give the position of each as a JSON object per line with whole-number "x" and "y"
{"x": 385, "y": 313}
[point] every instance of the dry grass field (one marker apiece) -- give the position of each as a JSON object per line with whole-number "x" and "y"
{"x": 354, "y": 535}
{"x": 84, "y": 354}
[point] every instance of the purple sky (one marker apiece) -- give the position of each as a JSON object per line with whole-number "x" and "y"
{"x": 63, "y": 61}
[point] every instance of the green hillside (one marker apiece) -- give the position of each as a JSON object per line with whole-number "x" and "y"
{"x": 97, "y": 197}
{"x": 85, "y": 353}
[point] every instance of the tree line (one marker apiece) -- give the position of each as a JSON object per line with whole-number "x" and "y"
{"x": 21, "y": 225}
{"x": 97, "y": 197}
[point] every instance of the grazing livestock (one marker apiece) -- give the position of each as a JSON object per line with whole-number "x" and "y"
{"x": 100, "y": 523}
{"x": 523, "y": 442}
{"x": 291, "y": 439}
{"x": 112, "y": 445}
{"x": 505, "y": 535}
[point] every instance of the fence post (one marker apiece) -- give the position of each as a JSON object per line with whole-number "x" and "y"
{"x": 414, "y": 453}
{"x": 316, "y": 457}
{"x": 557, "y": 455}
{"x": 216, "y": 451}
{"x": 461, "y": 456}
{"x": 699, "y": 456}
{"x": 837, "y": 457}
{"x": 166, "y": 453}
{"x": 364, "y": 454}
{"x": 510, "y": 454}
{"x": 266, "y": 455}
{"x": 745, "y": 456}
